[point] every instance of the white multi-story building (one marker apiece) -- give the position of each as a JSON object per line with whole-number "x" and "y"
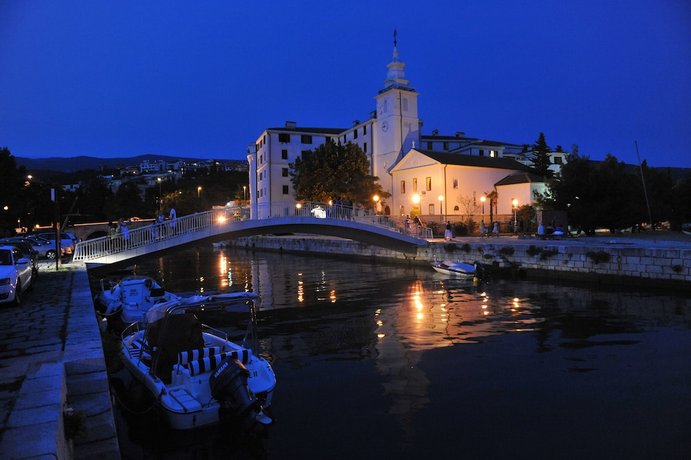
{"x": 392, "y": 131}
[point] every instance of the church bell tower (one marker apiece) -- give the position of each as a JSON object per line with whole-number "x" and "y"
{"x": 397, "y": 127}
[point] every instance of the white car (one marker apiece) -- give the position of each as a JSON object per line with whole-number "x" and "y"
{"x": 16, "y": 274}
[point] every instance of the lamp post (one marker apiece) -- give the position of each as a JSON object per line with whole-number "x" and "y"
{"x": 199, "y": 191}
{"x": 375, "y": 198}
{"x": 160, "y": 198}
{"x": 514, "y": 204}
{"x": 244, "y": 194}
{"x": 483, "y": 198}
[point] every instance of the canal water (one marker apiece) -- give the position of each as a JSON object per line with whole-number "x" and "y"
{"x": 386, "y": 361}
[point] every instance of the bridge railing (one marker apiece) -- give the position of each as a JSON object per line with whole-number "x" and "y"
{"x": 329, "y": 211}
{"x": 173, "y": 229}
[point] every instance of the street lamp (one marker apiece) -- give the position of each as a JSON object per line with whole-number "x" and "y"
{"x": 199, "y": 191}
{"x": 514, "y": 203}
{"x": 160, "y": 198}
{"x": 375, "y": 198}
{"x": 483, "y": 198}
{"x": 244, "y": 190}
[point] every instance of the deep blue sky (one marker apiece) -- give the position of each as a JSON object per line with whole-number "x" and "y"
{"x": 203, "y": 79}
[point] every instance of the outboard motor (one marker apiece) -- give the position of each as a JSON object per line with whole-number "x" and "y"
{"x": 229, "y": 387}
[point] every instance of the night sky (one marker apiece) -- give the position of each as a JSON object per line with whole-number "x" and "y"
{"x": 203, "y": 79}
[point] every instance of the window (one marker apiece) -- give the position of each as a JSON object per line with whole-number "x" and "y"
{"x": 284, "y": 154}
{"x": 306, "y": 139}
{"x": 456, "y": 208}
{"x": 482, "y": 152}
{"x": 455, "y": 183}
{"x": 355, "y": 134}
{"x": 430, "y": 146}
{"x": 558, "y": 160}
{"x": 492, "y": 153}
{"x": 414, "y": 184}
{"x": 402, "y": 186}
{"x": 364, "y": 147}
{"x": 364, "y": 130}
{"x": 260, "y": 174}
{"x": 283, "y": 138}
{"x": 405, "y": 104}
{"x": 431, "y": 209}
{"x": 285, "y": 190}
{"x": 284, "y": 172}
{"x": 446, "y": 146}
{"x": 428, "y": 183}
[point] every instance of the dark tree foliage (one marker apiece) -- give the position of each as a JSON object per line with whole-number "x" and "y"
{"x": 608, "y": 195}
{"x": 680, "y": 202}
{"x": 540, "y": 160}
{"x": 334, "y": 171}
{"x": 94, "y": 198}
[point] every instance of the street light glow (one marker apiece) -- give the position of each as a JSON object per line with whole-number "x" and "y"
{"x": 416, "y": 198}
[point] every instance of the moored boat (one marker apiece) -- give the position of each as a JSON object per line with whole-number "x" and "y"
{"x": 127, "y": 301}
{"x": 197, "y": 375}
{"x": 456, "y": 268}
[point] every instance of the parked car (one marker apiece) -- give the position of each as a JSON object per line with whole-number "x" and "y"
{"x": 26, "y": 247}
{"x": 16, "y": 274}
{"x": 44, "y": 247}
{"x": 66, "y": 241}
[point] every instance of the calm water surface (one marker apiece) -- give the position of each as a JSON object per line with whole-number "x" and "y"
{"x": 383, "y": 361}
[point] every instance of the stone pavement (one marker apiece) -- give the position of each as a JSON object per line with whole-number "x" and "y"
{"x": 54, "y": 394}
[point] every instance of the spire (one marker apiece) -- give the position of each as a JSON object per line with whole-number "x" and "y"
{"x": 395, "y": 77}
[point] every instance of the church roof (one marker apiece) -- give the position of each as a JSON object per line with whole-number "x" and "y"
{"x": 520, "y": 178}
{"x": 468, "y": 160}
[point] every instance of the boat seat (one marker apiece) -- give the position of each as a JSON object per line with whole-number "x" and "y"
{"x": 185, "y": 357}
{"x": 209, "y": 363}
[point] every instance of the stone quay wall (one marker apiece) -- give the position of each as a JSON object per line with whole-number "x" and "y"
{"x": 602, "y": 262}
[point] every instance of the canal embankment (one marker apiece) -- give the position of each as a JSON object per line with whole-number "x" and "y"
{"x": 54, "y": 394}
{"x": 645, "y": 261}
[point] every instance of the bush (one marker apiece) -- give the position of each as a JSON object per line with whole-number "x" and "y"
{"x": 598, "y": 257}
{"x": 547, "y": 253}
{"x": 506, "y": 251}
{"x": 533, "y": 250}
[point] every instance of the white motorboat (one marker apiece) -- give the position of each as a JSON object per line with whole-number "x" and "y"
{"x": 455, "y": 268}
{"x": 127, "y": 301}
{"x": 197, "y": 376}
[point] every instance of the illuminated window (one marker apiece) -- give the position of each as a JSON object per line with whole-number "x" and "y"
{"x": 414, "y": 184}
{"x": 402, "y": 186}
{"x": 428, "y": 183}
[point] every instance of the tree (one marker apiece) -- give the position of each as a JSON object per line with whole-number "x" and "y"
{"x": 540, "y": 160}
{"x": 334, "y": 171}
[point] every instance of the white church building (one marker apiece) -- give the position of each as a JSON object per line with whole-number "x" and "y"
{"x": 435, "y": 176}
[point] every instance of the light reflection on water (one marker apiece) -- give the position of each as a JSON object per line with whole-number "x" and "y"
{"x": 325, "y": 322}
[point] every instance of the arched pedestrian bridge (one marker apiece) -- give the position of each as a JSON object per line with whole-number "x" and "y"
{"x": 229, "y": 223}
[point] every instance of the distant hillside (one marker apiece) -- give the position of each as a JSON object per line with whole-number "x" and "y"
{"x": 72, "y": 164}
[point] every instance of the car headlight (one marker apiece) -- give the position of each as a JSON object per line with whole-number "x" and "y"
{"x": 4, "y": 281}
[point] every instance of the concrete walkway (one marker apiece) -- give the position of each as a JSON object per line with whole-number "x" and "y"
{"x": 51, "y": 364}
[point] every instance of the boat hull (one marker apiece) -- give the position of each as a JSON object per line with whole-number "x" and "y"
{"x": 455, "y": 269}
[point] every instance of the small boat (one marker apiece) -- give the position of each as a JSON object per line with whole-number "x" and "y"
{"x": 127, "y": 301}
{"x": 196, "y": 374}
{"x": 454, "y": 268}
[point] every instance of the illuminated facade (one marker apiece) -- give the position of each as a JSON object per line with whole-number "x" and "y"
{"x": 388, "y": 137}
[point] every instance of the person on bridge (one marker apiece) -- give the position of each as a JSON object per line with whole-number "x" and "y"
{"x": 173, "y": 219}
